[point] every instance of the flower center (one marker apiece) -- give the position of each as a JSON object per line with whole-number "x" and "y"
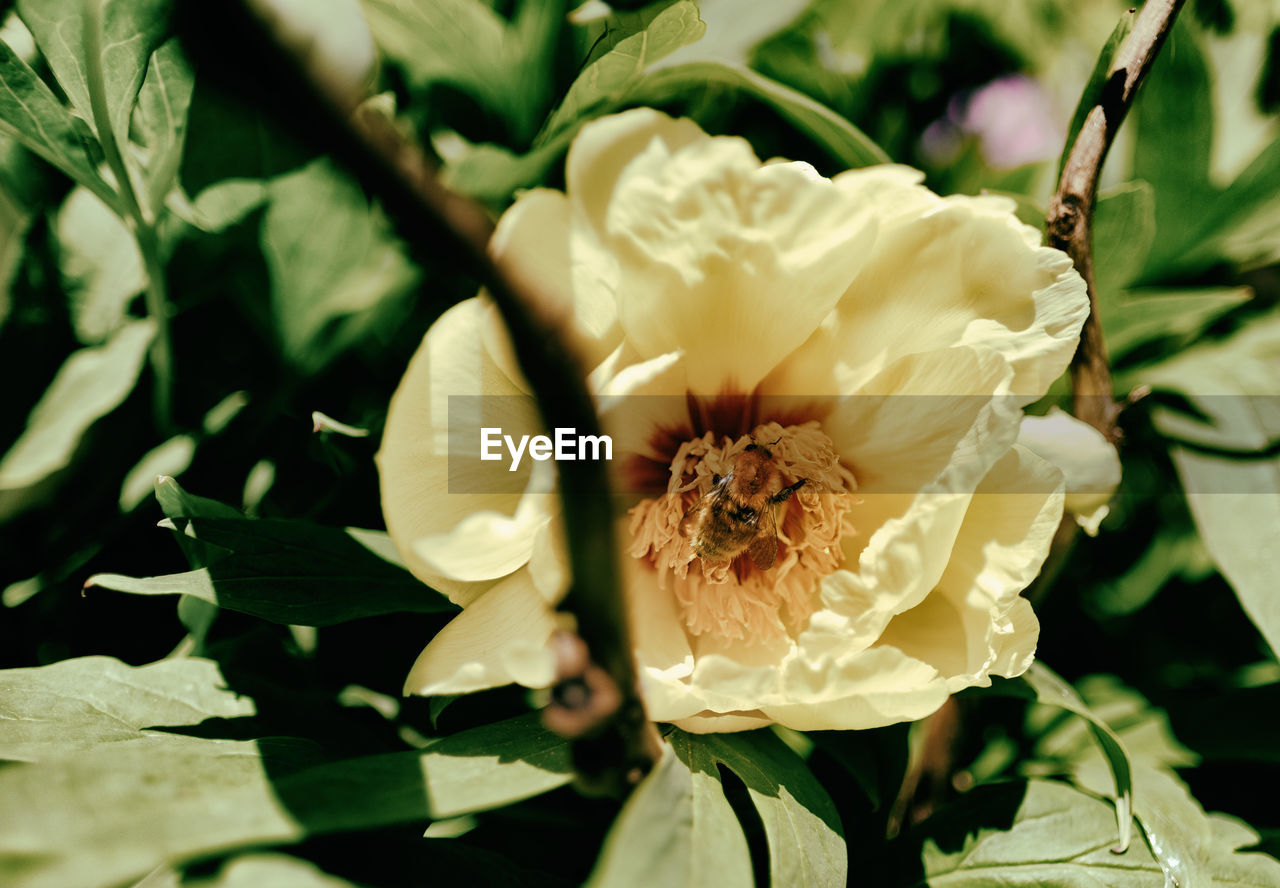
{"x": 743, "y": 556}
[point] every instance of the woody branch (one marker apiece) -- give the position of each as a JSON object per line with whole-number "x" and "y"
{"x": 598, "y": 702}
{"x": 1070, "y": 229}
{"x": 1070, "y": 221}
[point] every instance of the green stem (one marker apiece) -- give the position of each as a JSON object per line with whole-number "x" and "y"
{"x": 139, "y": 220}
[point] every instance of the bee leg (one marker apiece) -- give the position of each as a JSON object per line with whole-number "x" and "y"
{"x": 785, "y": 493}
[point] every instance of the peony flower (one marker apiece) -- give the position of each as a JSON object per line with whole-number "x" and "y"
{"x": 879, "y": 340}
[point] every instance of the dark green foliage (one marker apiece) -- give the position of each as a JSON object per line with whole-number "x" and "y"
{"x": 250, "y": 730}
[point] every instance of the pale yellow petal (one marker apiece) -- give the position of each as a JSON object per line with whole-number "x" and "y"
{"x": 919, "y": 442}
{"x": 657, "y": 629}
{"x": 635, "y": 403}
{"x": 936, "y": 420}
{"x": 487, "y": 545}
{"x": 728, "y": 261}
{"x": 975, "y": 623}
{"x": 500, "y": 638}
{"x": 603, "y": 149}
{"x": 723, "y": 724}
{"x": 862, "y": 690}
{"x": 951, "y": 271}
{"x": 429, "y": 480}
{"x": 564, "y": 265}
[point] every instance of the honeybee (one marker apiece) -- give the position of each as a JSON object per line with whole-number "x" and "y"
{"x": 736, "y": 515}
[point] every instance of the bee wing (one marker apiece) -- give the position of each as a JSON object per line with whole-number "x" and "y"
{"x": 763, "y": 548}
{"x": 690, "y": 524}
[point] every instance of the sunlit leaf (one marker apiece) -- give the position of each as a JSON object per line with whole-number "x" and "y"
{"x": 1226, "y": 458}
{"x": 802, "y": 828}
{"x": 170, "y": 459}
{"x": 676, "y": 829}
{"x": 101, "y": 266}
{"x": 1135, "y": 317}
{"x": 1177, "y": 829}
{"x": 91, "y": 383}
{"x": 1052, "y": 690}
{"x": 841, "y": 139}
{"x": 31, "y": 114}
{"x": 268, "y": 871}
{"x": 466, "y": 44}
{"x": 131, "y": 31}
{"x": 13, "y": 227}
{"x": 608, "y": 80}
{"x": 118, "y": 811}
{"x": 77, "y": 705}
{"x": 1045, "y": 833}
{"x": 163, "y": 102}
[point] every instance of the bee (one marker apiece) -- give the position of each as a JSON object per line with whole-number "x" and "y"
{"x": 736, "y": 515}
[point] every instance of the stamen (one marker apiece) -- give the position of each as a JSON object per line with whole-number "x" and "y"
{"x": 736, "y": 599}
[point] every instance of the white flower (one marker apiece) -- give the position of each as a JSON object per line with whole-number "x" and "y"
{"x": 881, "y": 339}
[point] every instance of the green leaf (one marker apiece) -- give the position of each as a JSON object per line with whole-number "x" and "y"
{"x": 466, "y": 44}
{"x": 676, "y": 829}
{"x": 1176, "y": 827}
{"x": 475, "y": 770}
{"x": 163, "y": 103}
{"x": 100, "y": 264}
{"x": 1226, "y": 458}
{"x": 735, "y": 28}
{"x": 14, "y": 223}
{"x": 1176, "y": 551}
{"x": 1046, "y": 833}
{"x": 1142, "y": 728}
{"x": 1053, "y": 691}
{"x": 1135, "y": 317}
{"x": 1175, "y": 100}
{"x": 177, "y": 504}
{"x": 1124, "y": 227}
{"x": 132, "y": 29}
{"x": 641, "y": 68}
{"x": 91, "y": 383}
{"x": 31, "y": 114}
{"x": 287, "y": 572}
{"x": 226, "y": 139}
{"x": 1097, "y": 81}
{"x": 607, "y": 81}
{"x": 841, "y": 139}
{"x": 802, "y": 828}
{"x": 266, "y": 871}
{"x": 118, "y": 811}
{"x": 169, "y": 459}
{"x": 876, "y": 759}
{"x": 76, "y": 705}
{"x": 337, "y": 273}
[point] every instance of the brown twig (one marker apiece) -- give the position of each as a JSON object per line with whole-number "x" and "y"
{"x": 616, "y": 743}
{"x": 1070, "y": 222}
{"x": 1070, "y": 229}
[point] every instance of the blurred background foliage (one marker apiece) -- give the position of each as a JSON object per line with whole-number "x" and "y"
{"x": 284, "y": 290}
